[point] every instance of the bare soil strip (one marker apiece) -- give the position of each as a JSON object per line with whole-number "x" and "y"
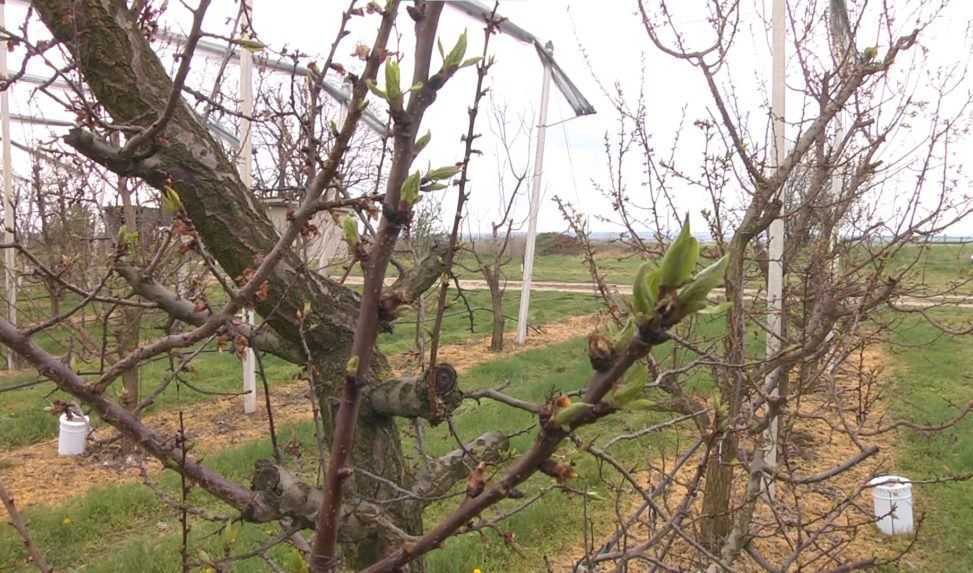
{"x": 909, "y": 302}
{"x": 815, "y": 447}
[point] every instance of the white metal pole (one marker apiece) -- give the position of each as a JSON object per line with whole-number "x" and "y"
{"x": 246, "y": 173}
{"x": 535, "y": 203}
{"x": 9, "y": 259}
{"x": 775, "y": 248}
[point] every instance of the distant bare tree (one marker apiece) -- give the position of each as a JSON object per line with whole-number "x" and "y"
{"x": 492, "y": 256}
{"x": 424, "y": 237}
{"x": 368, "y": 512}
{"x": 833, "y": 190}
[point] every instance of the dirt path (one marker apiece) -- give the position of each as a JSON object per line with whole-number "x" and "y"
{"x": 36, "y": 475}
{"x": 815, "y": 447}
{"x": 907, "y": 302}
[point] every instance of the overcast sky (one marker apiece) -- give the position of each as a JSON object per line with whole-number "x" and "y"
{"x": 592, "y": 39}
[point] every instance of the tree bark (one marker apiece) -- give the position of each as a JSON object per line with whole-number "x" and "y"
{"x": 496, "y": 305}
{"x": 128, "y": 333}
{"x": 718, "y": 488}
{"x": 131, "y": 83}
{"x": 50, "y": 284}
{"x": 717, "y": 519}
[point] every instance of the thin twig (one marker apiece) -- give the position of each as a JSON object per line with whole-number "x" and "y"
{"x": 270, "y": 410}
{"x": 17, "y": 520}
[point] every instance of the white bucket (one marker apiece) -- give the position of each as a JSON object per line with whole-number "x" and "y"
{"x": 72, "y": 435}
{"x": 893, "y": 504}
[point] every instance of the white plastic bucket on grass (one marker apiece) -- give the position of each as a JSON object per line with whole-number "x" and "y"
{"x": 72, "y": 435}
{"x": 893, "y": 504}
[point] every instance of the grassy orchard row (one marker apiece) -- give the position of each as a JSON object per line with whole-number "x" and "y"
{"x": 23, "y": 419}
{"x": 126, "y": 527}
{"x": 930, "y": 374}
{"x": 544, "y": 527}
{"x": 670, "y": 281}
{"x": 933, "y": 266}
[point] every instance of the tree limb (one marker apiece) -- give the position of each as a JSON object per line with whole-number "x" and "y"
{"x": 431, "y": 396}
{"x": 183, "y": 310}
{"x": 445, "y": 471}
{"x": 165, "y": 450}
{"x": 413, "y": 283}
{"x": 17, "y": 520}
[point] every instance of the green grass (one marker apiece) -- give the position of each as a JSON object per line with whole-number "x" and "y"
{"x": 554, "y": 268}
{"x": 556, "y": 520}
{"x": 125, "y": 527}
{"x": 545, "y": 307}
{"x": 934, "y": 266}
{"x": 932, "y": 381}
{"x": 23, "y": 419}
{"x": 570, "y": 268}
{"x": 938, "y": 267}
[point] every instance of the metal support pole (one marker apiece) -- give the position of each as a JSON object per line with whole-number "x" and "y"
{"x": 535, "y": 204}
{"x": 246, "y": 174}
{"x": 775, "y": 247}
{"x": 9, "y": 258}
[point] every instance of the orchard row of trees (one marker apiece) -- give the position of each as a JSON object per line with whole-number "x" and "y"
{"x": 144, "y": 132}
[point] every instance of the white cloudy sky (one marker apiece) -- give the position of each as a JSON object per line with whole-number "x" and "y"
{"x": 611, "y": 35}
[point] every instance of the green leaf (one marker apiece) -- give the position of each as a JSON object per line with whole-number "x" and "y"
{"x": 410, "y": 188}
{"x": 392, "y": 85}
{"x": 680, "y": 259}
{"x": 716, "y": 309}
{"x": 128, "y": 239}
{"x": 439, "y": 46}
{"x": 640, "y": 405}
{"x": 630, "y": 389}
{"x": 230, "y": 533}
{"x": 422, "y": 142}
{"x": 455, "y": 56}
{"x": 435, "y": 187}
{"x": 695, "y": 293}
{"x": 171, "y": 203}
{"x": 250, "y": 44}
{"x": 292, "y": 560}
{"x": 351, "y": 367}
{"x": 470, "y": 62}
{"x": 645, "y": 291}
{"x": 693, "y": 307}
{"x": 349, "y": 227}
{"x": 376, "y": 90}
{"x": 624, "y": 335}
{"x": 416, "y": 87}
{"x": 565, "y": 416}
{"x": 443, "y": 172}
{"x": 592, "y": 494}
